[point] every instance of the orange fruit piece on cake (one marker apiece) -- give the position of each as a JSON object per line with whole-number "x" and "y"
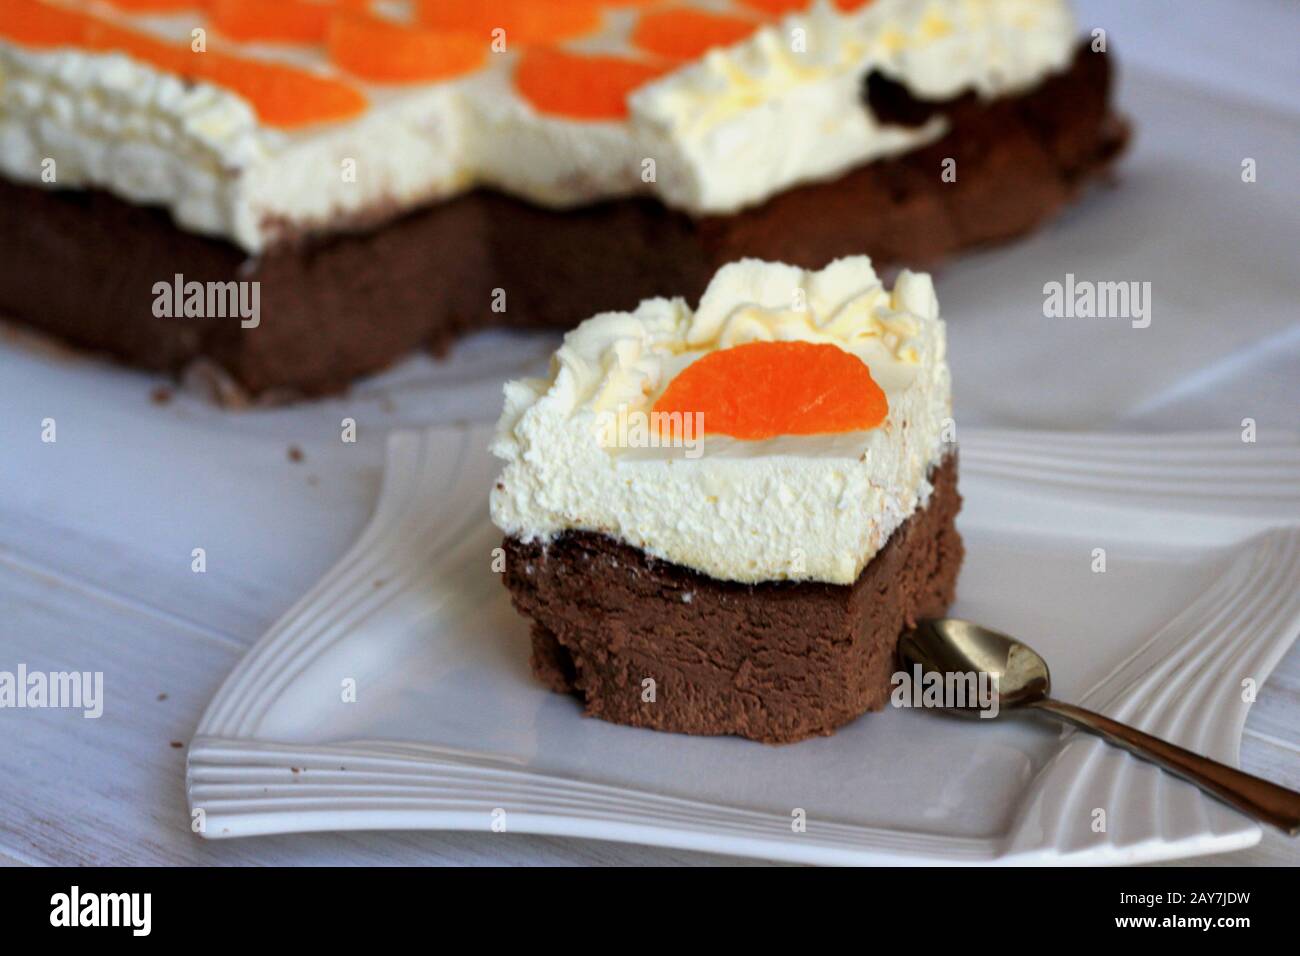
{"x": 777, "y": 8}
{"x": 178, "y": 58}
{"x": 283, "y": 95}
{"x": 765, "y": 389}
{"x": 34, "y": 24}
{"x": 286, "y": 21}
{"x": 681, "y": 34}
{"x": 158, "y": 6}
{"x": 386, "y": 52}
{"x": 525, "y": 21}
{"x": 579, "y": 86}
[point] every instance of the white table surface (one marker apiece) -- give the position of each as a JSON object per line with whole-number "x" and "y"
{"x": 96, "y": 579}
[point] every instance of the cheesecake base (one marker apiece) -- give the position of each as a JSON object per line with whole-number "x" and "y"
{"x": 775, "y": 662}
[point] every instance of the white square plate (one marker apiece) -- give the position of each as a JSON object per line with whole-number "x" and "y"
{"x": 396, "y": 694}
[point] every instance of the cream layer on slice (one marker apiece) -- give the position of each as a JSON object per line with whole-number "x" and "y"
{"x": 815, "y": 507}
{"x": 724, "y": 132}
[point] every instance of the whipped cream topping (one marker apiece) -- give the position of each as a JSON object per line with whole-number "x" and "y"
{"x": 727, "y": 131}
{"x": 814, "y": 507}
{"x": 109, "y": 121}
{"x": 799, "y": 84}
{"x": 113, "y": 123}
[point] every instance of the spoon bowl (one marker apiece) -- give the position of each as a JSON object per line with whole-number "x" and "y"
{"x": 949, "y": 645}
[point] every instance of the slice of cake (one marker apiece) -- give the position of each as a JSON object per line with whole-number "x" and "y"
{"x": 388, "y": 175}
{"x": 720, "y": 520}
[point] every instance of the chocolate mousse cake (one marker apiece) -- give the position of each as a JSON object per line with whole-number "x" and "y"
{"x": 721, "y": 520}
{"x": 389, "y": 175}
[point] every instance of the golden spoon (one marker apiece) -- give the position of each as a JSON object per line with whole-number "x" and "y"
{"x": 948, "y": 645}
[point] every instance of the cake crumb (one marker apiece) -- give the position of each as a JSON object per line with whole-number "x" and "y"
{"x": 177, "y": 745}
{"x": 161, "y": 394}
{"x": 295, "y": 454}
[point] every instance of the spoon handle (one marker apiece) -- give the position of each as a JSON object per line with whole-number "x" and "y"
{"x": 1259, "y": 798}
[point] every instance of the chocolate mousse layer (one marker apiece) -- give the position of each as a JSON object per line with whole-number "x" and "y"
{"x": 776, "y": 662}
{"x": 83, "y": 265}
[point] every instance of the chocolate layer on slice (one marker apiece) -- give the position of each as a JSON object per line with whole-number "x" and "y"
{"x": 775, "y": 662}
{"x": 83, "y": 265}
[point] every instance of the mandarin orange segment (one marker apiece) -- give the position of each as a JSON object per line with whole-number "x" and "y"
{"x": 31, "y": 23}
{"x": 777, "y": 8}
{"x": 578, "y": 86}
{"x": 386, "y": 52}
{"x": 158, "y": 6}
{"x": 682, "y": 34}
{"x": 106, "y": 37}
{"x": 525, "y": 21}
{"x": 283, "y": 95}
{"x": 765, "y": 389}
{"x": 285, "y": 21}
